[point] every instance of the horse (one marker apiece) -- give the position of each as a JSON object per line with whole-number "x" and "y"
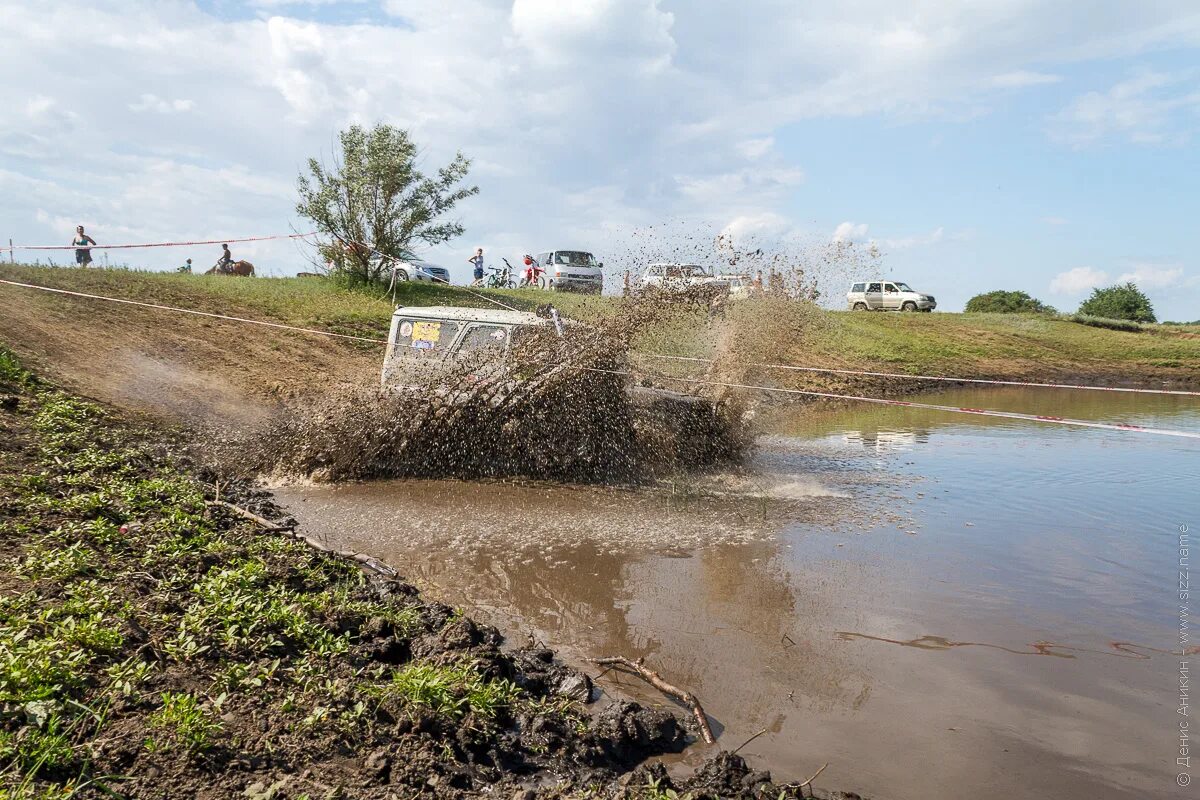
{"x": 243, "y": 269}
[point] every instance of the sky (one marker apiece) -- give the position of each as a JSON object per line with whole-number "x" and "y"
{"x": 1037, "y": 145}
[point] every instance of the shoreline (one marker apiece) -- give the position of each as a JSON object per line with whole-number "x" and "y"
{"x": 162, "y": 640}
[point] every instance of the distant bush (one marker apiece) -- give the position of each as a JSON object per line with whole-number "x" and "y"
{"x": 1002, "y": 302}
{"x": 1111, "y": 324}
{"x": 1119, "y": 302}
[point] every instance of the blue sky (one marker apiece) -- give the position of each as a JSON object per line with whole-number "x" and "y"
{"x": 1047, "y": 146}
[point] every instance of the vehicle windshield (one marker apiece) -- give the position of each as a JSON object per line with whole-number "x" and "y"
{"x": 576, "y": 258}
{"x": 686, "y": 271}
{"x": 421, "y": 336}
{"x": 902, "y": 286}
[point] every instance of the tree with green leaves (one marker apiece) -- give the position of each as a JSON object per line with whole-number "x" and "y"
{"x": 373, "y": 198}
{"x": 1002, "y": 302}
{"x": 1119, "y": 302}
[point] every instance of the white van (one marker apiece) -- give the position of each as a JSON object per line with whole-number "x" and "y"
{"x": 572, "y": 270}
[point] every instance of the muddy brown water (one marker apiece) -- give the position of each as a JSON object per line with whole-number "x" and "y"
{"x": 935, "y": 605}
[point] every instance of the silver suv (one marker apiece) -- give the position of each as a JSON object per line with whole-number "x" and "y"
{"x": 888, "y": 296}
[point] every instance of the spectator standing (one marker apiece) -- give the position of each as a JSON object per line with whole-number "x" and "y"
{"x": 477, "y": 261}
{"x": 83, "y": 253}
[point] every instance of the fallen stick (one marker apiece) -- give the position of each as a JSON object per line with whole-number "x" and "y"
{"x": 800, "y": 786}
{"x": 657, "y": 682}
{"x": 250, "y": 515}
{"x": 373, "y": 564}
{"x": 748, "y": 741}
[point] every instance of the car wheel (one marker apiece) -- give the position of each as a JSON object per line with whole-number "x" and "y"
{"x": 401, "y": 275}
{"x": 909, "y": 307}
{"x": 860, "y": 306}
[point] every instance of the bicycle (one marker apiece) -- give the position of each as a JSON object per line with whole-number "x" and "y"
{"x": 500, "y": 278}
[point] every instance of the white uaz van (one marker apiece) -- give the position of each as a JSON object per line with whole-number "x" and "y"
{"x": 887, "y": 296}
{"x": 572, "y": 270}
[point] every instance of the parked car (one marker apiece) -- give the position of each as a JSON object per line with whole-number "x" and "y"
{"x": 888, "y": 296}
{"x": 739, "y": 285}
{"x": 677, "y": 277}
{"x": 572, "y": 270}
{"x": 415, "y": 270}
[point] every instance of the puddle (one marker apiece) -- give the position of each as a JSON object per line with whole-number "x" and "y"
{"x": 923, "y": 601}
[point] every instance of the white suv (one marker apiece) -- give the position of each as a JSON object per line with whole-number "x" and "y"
{"x": 888, "y": 296}
{"x": 678, "y": 277}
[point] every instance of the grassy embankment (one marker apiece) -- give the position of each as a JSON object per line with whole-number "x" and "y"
{"x": 150, "y": 647}
{"x": 967, "y": 345}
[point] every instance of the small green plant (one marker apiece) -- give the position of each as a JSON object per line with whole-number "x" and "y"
{"x": 11, "y": 371}
{"x": 186, "y": 722}
{"x": 46, "y": 559}
{"x": 450, "y": 691}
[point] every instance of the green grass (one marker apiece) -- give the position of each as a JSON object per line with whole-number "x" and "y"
{"x": 972, "y": 345}
{"x": 186, "y": 722}
{"x": 451, "y": 691}
{"x": 229, "y": 618}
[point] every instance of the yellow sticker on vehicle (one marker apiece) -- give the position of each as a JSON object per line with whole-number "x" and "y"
{"x": 426, "y": 332}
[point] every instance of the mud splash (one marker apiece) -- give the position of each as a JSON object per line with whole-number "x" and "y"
{"x": 563, "y": 407}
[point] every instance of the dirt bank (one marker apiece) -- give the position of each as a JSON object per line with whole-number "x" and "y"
{"x": 153, "y": 645}
{"x": 182, "y": 367}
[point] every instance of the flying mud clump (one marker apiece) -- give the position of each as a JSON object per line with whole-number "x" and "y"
{"x": 561, "y": 407}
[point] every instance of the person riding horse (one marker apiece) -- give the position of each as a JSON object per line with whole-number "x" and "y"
{"x": 225, "y": 262}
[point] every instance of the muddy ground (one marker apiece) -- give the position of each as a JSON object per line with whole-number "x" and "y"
{"x": 154, "y": 645}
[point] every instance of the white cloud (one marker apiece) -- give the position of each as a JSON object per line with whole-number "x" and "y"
{"x": 1152, "y": 276}
{"x": 1022, "y": 78}
{"x": 754, "y": 149}
{"x": 850, "y": 232}
{"x": 1077, "y": 281}
{"x": 633, "y": 110}
{"x": 151, "y": 102}
{"x": 906, "y": 242}
{"x": 1149, "y": 108}
{"x": 765, "y": 224}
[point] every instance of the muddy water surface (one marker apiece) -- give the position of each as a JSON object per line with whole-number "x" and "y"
{"x": 936, "y": 605}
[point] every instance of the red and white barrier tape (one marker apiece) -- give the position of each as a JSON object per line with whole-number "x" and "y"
{"x": 879, "y": 400}
{"x": 193, "y": 311}
{"x": 794, "y": 368}
{"x": 153, "y": 244}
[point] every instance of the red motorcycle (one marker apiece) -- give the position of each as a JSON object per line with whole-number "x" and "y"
{"x": 535, "y": 274}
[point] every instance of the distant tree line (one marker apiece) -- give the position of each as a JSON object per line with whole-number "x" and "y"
{"x": 1123, "y": 302}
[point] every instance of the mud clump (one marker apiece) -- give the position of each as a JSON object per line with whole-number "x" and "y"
{"x": 725, "y": 775}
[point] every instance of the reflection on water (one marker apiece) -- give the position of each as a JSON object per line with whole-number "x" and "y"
{"x": 800, "y": 598}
